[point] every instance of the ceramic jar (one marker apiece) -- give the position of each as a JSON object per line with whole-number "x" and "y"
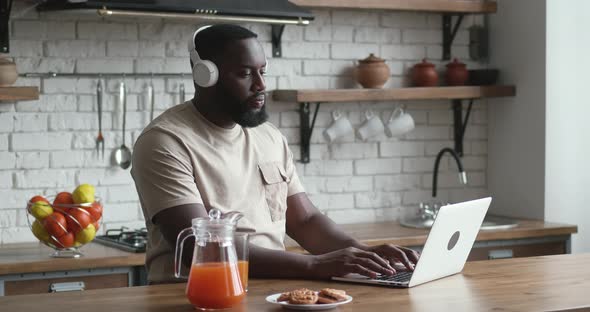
{"x": 424, "y": 75}
{"x": 372, "y": 72}
{"x": 8, "y": 74}
{"x": 456, "y": 74}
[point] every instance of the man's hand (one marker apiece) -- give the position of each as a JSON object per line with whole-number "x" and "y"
{"x": 392, "y": 254}
{"x": 368, "y": 261}
{"x": 349, "y": 260}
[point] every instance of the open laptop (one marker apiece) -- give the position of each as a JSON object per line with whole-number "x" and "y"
{"x": 448, "y": 244}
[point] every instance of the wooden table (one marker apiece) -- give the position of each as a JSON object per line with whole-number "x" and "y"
{"x": 524, "y": 284}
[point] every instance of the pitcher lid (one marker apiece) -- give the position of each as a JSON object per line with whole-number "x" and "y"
{"x": 424, "y": 63}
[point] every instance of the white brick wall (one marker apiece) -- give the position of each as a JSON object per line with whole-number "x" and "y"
{"x": 47, "y": 145}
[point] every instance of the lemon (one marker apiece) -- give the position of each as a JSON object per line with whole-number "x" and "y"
{"x": 39, "y": 231}
{"x": 41, "y": 209}
{"x": 86, "y": 235}
{"x": 84, "y": 193}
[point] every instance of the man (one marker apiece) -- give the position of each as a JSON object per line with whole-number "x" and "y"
{"x": 217, "y": 150}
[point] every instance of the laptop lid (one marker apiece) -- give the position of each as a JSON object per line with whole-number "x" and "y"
{"x": 450, "y": 240}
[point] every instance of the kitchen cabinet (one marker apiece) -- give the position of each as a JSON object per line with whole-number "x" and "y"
{"x": 19, "y": 93}
{"x": 529, "y": 238}
{"x": 27, "y": 268}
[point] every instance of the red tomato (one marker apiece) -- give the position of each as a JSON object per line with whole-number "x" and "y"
{"x": 55, "y": 224}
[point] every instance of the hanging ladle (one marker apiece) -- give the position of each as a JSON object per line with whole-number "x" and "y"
{"x": 123, "y": 154}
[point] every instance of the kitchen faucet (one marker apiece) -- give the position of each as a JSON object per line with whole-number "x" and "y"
{"x": 462, "y": 174}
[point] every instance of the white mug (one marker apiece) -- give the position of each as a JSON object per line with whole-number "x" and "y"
{"x": 371, "y": 127}
{"x": 340, "y": 127}
{"x": 399, "y": 123}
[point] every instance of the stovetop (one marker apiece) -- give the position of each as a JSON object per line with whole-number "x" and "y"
{"x": 125, "y": 239}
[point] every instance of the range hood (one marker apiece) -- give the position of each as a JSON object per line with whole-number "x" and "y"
{"x": 249, "y": 11}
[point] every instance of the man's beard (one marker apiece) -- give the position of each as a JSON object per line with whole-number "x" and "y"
{"x": 240, "y": 112}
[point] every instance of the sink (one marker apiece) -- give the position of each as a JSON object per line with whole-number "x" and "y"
{"x": 490, "y": 222}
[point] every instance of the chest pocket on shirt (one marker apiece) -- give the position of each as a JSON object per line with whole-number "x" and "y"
{"x": 275, "y": 188}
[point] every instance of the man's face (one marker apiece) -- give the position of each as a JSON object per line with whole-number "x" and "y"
{"x": 240, "y": 88}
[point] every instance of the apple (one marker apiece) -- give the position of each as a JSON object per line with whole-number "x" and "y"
{"x": 77, "y": 219}
{"x": 65, "y": 241}
{"x": 55, "y": 224}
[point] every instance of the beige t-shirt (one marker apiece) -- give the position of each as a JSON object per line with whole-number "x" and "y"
{"x": 182, "y": 158}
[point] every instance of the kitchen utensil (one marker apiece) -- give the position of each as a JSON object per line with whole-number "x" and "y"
{"x": 216, "y": 276}
{"x": 182, "y": 94}
{"x": 123, "y": 154}
{"x": 151, "y": 100}
{"x": 424, "y": 74}
{"x": 99, "y": 137}
{"x": 372, "y": 72}
{"x": 372, "y": 126}
{"x": 399, "y": 123}
{"x": 340, "y": 127}
{"x": 8, "y": 73}
{"x": 456, "y": 74}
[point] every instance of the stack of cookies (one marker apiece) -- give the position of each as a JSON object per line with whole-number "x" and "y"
{"x": 307, "y": 296}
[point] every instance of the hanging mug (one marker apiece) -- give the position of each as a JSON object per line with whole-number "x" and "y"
{"x": 340, "y": 127}
{"x": 372, "y": 126}
{"x": 399, "y": 123}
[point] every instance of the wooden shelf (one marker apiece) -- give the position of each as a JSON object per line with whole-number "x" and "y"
{"x": 441, "y": 6}
{"x": 352, "y": 95}
{"x": 19, "y": 93}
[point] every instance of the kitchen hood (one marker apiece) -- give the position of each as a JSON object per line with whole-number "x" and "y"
{"x": 249, "y": 11}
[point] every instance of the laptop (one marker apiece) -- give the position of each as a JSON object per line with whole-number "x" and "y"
{"x": 448, "y": 244}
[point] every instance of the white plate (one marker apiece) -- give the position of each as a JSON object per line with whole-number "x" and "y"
{"x": 310, "y": 307}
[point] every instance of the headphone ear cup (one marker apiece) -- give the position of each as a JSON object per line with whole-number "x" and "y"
{"x": 205, "y": 73}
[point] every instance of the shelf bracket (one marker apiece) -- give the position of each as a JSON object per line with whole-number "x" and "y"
{"x": 449, "y": 33}
{"x": 5, "y": 6}
{"x": 460, "y": 125}
{"x": 306, "y": 128}
{"x": 276, "y": 35}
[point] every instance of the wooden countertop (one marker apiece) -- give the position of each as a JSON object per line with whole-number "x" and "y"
{"x": 34, "y": 257}
{"x": 522, "y": 284}
{"x": 394, "y": 233}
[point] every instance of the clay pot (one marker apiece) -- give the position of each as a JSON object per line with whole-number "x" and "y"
{"x": 424, "y": 75}
{"x": 456, "y": 74}
{"x": 8, "y": 74}
{"x": 372, "y": 72}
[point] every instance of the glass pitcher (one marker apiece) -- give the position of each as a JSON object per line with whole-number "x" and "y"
{"x": 215, "y": 278}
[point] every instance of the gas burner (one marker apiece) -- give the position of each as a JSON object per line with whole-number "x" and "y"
{"x": 124, "y": 238}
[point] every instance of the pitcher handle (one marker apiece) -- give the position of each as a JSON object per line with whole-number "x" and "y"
{"x": 182, "y": 236}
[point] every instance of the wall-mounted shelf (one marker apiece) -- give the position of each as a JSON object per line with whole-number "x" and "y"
{"x": 19, "y": 93}
{"x": 307, "y": 96}
{"x": 440, "y": 6}
{"x": 430, "y": 93}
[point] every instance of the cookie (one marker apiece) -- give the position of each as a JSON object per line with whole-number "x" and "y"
{"x": 330, "y": 295}
{"x": 284, "y": 297}
{"x": 303, "y": 296}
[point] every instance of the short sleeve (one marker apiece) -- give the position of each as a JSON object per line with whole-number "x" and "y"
{"x": 294, "y": 184}
{"x": 163, "y": 173}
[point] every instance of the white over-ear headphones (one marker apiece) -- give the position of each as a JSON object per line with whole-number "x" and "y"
{"x": 205, "y": 72}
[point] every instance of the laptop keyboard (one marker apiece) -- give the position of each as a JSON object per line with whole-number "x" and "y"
{"x": 403, "y": 276}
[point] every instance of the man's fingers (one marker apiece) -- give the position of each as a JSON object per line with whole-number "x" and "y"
{"x": 357, "y": 268}
{"x": 412, "y": 254}
{"x": 373, "y": 266}
{"x": 376, "y": 258}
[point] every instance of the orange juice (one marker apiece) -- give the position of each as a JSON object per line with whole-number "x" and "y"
{"x": 215, "y": 285}
{"x": 243, "y": 268}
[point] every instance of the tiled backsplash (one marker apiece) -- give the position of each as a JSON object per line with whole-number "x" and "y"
{"x": 47, "y": 146}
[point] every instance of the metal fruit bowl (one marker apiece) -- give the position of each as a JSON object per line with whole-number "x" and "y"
{"x": 64, "y": 227}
